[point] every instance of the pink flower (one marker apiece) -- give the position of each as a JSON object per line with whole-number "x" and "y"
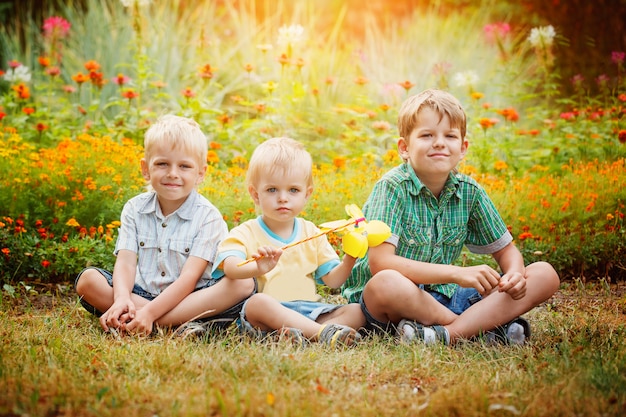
{"x": 14, "y": 64}
{"x": 120, "y": 79}
{"x": 495, "y": 31}
{"x": 618, "y": 57}
{"x": 56, "y": 27}
{"x": 568, "y": 115}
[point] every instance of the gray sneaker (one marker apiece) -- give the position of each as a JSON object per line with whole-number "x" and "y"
{"x": 410, "y": 331}
{"x": 337, "y": 334}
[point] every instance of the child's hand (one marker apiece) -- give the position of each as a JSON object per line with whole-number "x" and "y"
{"x": 481, "y": 277}
{"x": 514, "y": 284}
{"x": 122, "y": 311}
{"x": 142, "y": 324}
{"x": 267, "y": 258}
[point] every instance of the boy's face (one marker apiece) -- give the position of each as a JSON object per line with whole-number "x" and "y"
{"x": 173, "y": 174}
{"x": 281, "y": 195}
{"x": 433, "y": 148}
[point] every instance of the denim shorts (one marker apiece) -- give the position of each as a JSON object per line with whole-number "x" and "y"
{"x": 219, "y": 321}
{"x": 460, "y": 301}
{"x": 309, "y": 309}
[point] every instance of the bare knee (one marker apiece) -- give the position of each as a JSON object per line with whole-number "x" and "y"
{"x": 87, "y": 281}
{"x": 383, "y": 288}
{"x": 545, "y": 276}
{"x": 241, "y": 288}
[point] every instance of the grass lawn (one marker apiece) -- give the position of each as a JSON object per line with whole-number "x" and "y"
{"x": 55, "y": 361}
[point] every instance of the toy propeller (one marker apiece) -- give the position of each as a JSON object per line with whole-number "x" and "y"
{"x": 358, "y": 233}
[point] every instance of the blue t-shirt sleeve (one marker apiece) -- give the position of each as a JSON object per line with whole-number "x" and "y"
{"x": 325, "y": 269}
{"x": 217, "y": 271}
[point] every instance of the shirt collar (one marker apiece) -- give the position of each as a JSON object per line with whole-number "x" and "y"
{"x": 185, "y": 211}
{"x": 452, "y": 185}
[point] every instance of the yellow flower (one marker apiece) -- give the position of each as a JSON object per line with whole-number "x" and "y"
{"x": 72, "y": 223}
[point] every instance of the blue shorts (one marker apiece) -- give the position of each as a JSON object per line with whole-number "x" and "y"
{"x": 219, "y": 321}
{"x": 460, "y": 301}
{"x": 309, "y": 309}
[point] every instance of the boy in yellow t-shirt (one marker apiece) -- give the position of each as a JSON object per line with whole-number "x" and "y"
{"x": 280, "y": 181}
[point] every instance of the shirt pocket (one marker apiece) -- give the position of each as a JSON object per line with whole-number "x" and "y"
{"x": 180, "y": 247}
{"x": 416, "y": 236}
{"x": 454, "y": 235}
{"x": 147, "y": 244}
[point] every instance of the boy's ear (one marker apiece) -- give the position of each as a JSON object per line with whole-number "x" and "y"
{"x": 201, "y": 174}
{"x": 144, "y": 169}
{"x": 403, "y": 149}
{"x": 254, "y": 194}
{"x": 309, "y": 191}
{"x": 464, "y": 147}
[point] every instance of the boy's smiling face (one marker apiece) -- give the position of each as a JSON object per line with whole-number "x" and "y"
{"x": 173, "y": 173}
{"x": 434, "y": 148}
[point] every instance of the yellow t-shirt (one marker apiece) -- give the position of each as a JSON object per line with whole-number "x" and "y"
{"x": 299, "y": 267}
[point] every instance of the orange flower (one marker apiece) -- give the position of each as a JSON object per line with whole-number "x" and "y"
{"x": 92, "y": 66}
{"x": 80, "y": 78}
{"x": 361, "y": 80}
{"x": 28, "y": 110}
{"x": 212, "y": 157}
{"x": 248, "y": 68}
{"x": 283, "y": 60}
{"x": 525, "y": 235}
{"x": 44, "y": 61}
{"x": 224, "y": 119}
{"x": 41, "y": 127}
{"x": 477, "y": 96}
{"x": 339, "y": 161}
{"x": 487, "y": 122}
{"x": 509, "y": 114}
{"x": 407, "y": 85}
{"x": 6, "y": 251}
{"x": 21, "y": 90}
{"x": 206, "y": 71}
{"x": 188, "y": 92}
{"x": 130, "y": 94}
{"x": 215, "y": 145}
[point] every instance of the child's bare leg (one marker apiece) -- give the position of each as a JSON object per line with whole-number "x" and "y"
{"x": 266, "y": 313}
{"x": 391, "y": 297}
{"x": 209, "y": 301}
{"x": 349, "y": 315}
{"x": 93, "y": 287}
{"x": 499, "y": 308}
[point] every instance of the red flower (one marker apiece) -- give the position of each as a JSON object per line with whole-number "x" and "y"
{"x": 130, "y": 94}
{"x": 41, "y": 127}
{"x": 45, "y": 263}
{"x": 28, "y": 110}
{"x": 621, "y": 136}
{"x": 188, "y": 92}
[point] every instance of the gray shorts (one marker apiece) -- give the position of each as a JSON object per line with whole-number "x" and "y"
{"x": 309, "y": 309}
{"x": 219, "y": 321}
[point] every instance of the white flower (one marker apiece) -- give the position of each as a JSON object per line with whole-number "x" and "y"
{"x": 129, "y": 3}
{"x": 466, "y": 78}
{"x": 542, "y": 36}
{"x": 290, "y": 35}
{"x": 19, "y": 74}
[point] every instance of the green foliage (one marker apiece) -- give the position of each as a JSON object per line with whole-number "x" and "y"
{"x": 71, "y": 135}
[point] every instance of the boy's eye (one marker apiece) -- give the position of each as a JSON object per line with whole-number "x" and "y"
{"x": 294, "y": 190}
{"x": 271, "y": 190}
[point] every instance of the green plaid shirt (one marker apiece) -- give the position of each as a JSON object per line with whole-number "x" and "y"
{"x": 428, "y": 229}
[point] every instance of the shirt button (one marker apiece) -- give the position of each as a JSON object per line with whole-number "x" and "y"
{"x": 186, "y": 250}
{"x": 411, "y": 242}
{"x": 142, "y": 244}
{"x": 163, "y": 225}
{"x": 159, "y": 249}
{"x": 163, "y": 273}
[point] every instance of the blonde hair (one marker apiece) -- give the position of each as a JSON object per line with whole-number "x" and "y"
{"x": 178, "y": 132}
{"x": 284, "y": 154}
{"x": 443, "y": 103}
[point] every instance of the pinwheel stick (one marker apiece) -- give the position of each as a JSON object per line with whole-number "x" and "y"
{"x": 325, "y": 232}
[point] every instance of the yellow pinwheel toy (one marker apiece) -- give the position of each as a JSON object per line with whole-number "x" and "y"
{"x": 357, "y": 233}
